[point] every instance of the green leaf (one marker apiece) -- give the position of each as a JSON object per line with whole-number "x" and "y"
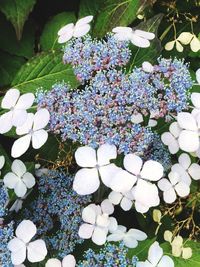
{"x": 17, "y": 11}
{"x": 49, "y": 36}
{"x": 9, "y": 66}
{"x": 43, "y": 70}
{"x": 115, "y": 13}
{"x": 88, "y": 7}
{"x": 10, "y": 44}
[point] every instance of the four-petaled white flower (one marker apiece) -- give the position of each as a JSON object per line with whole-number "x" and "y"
{"x": 94, "y": 163}
{"x": 186, "y": 169}
{"x": 145, "y": 193}
{"x": 130, "y": 238}
{"x": 17, "y": 106}
{"x": 68, "y": 261}
{"x": 170, "y": 138}
{"x": 124, "y": 199}
{"x": 2, "y": 162}
{"x": 32, "y": 130}
{"x": 19, "y": 179}
{"x": 97, "y": 222}
{"x": 156, "y": 258}
{"x": 137, "y": 37}
{"x": 70, "y": 30}
{"x": 172, "y": 186}
{"x": 20, "y": 245}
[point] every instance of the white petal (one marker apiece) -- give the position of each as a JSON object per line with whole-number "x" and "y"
{"x": 19, "y": 256}
{"x": 85, "y": 231}
{"x": 86, "y": 156}
{"x": 144, "y": 264}
{"x": 184, "y": 160}
{"x": 28, "y": 179}
{"x": 152, "y": 123}
{"x": 141, "y": 207}
{"x": 194, "y": 171}
{"x": 167, "y": 138}
{"x": 195, "y": 44}
{"x": 15, "y": 244}
{"x": 130, "y": 242}
{"x": 152, "y": 170}
{"x": 174, "y": 129}
{"x": 133, "y": 163}
{"x": 198, "y": 80}
{"x": 185, "y": 38}
{"x": 107, "y": 206}
{"x": 137, "y": 234}
{"x": 89, "y": 215}
{"x": 41, "y": 119}
{"x": 26, "y": 230}
{"x": 2, "y": 161}
{"x": 182, "y": 173}
{"x": 10, "y": 180}
{"x": 164, "y": 184}
{"x": 53, "y": 263}
{"x": 84, "y": 20}
{"x": 174, "y": 177}
{"x": 126, "y": 204}
{"x": 86, "y": 181}
{"x": 105, "y": 153}
{"x": 19, "y": 117}
{"x": 69, "y": 261}
{"x": 174, "y": 147}
{"x": 118, "y": 236}
{"x": 115, "y": 197}
{"x": 169, "y": 195}
{"x": 66, "y": 29}
{"x": 18, "y": 167}
{"x": 155, "y": 253}
{"x": 99, "y": 236}
{"x": 27, "y": 126}
{"x": 37, "y": 251}
{"x": 186, "y": 121}
{"x": 170, "y": 45}
{"x": 10, "y": 98}
{"x": 137, "y": 118}
{"x": 102, "y": 220}
{"x": 81, "y": 30}
{"x": 166, "y": 261}
{"x": 144, "y": 34}
{"x": 122, "y": 181}
{"x": 179, "y": 47}
{"x": 113, "y": 225}
{"x": 6, "y": 122}
{"x": 39, "y": 138}
{"x": 139, "y": 41}
{"x": 25, "y": 101}
{"x": 107, "y": 173}
{"x": 20, "y": 146}
{"x": 195, "y": 97}
{"x": 20, "y": 189}
{"x": 123, "y": 36}
{"x": 124, "y": 30}
{"x": 147, "y": 66}
{"x": 189, "y": 141}
{"x": 65, "y": 37}
{"x": 182, "y": 189}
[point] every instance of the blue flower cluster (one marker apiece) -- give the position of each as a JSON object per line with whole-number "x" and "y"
{"x": 57, "y": 212}
{"x": 6, "y": 234}
{"x": 3, "y": 199}
{"x": 110, "y": 255}
{"x": 88, "y": 56}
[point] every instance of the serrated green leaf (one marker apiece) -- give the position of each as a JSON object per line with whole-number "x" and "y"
{"x": 49, "y": 35}
{"x": 88, "y": 7}
{"x": 115, "y": 13}
{"x": 9, "y": 66}
{"x": 17, "y": 11}
{"x": 43, "y": 70}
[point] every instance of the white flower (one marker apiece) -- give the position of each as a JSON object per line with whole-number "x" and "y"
{"x": 20, "y": 245}
{"x": 198, "y": 75}
{"x": 124, "y": 199}
{"x": 70, "y": 30}
{"x": 137, "y": 37}
{"x": 172, "y": 186}
{"x": 19, "y": 179}
{"x": 32, "y": 130}
{"x": 97, "y": 222}
{"x": 170, "y": 138}
{"x": 189, "y": 137}
{"x": 156, "y": 258}
{"x": 136, "y": 171}
{"x": 94, "y": 163}
{"x": 186, "y": 169}
{"x": 147, "y": 66}
{"x": 68, "y": 261}
{"x": 2, "y": 162}
{"x": 17, "y": 106}
{"x": 130, "y": 238}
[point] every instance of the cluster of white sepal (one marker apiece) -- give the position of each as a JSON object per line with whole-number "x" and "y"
{"x": 137, "y": 37}
{"x": 17, "y": 109}
{"x": 177, "y": 246}
{"x": 97, "y": 222}
{"x": 70, "y": 30}
{"x": 68, "y": 261}
{"x": 185, "y": 38}
{"x": 130, "y": 238}
{"x": 156, "y": 258}
{"x": 20, "y": 246}
{"x": 19, "y": 179}
{"x": 137, "y": 178}
{"x": 94, "y": 165}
